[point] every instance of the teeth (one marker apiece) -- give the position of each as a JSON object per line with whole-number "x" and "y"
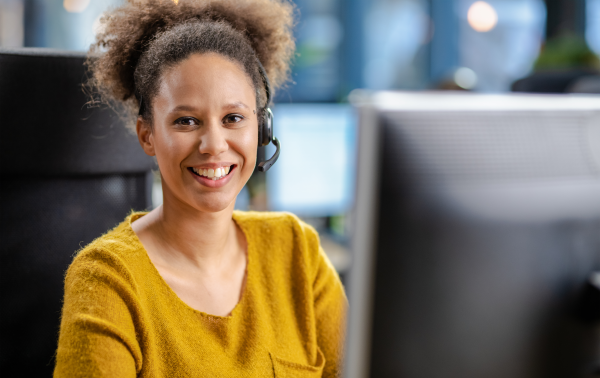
{"x": 214, "y": 174}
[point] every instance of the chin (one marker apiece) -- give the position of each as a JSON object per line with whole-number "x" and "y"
{"x": 213, "y": 203}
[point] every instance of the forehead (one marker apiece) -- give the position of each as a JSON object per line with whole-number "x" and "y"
{"x": 207, "y": 78}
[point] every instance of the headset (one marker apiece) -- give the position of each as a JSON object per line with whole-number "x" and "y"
{"x": 265, "y": 123}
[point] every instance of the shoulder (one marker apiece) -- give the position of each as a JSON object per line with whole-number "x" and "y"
{"x": 277, "y": 225}
{"x": 117, "y": 253}
{"x": 283, "y": 236}
{"x": 269, "y": 219}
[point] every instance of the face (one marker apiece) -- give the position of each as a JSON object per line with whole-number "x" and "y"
{"x": 204, "y": 132}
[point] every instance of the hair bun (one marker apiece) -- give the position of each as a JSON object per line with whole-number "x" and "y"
{"x": 127, "y": 31}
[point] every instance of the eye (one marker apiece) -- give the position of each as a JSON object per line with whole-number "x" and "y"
{"x": 187, "y": 121}
{"x": 232, "y": 118}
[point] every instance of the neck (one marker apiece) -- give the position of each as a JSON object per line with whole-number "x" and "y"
{"x": 189, "y": 238}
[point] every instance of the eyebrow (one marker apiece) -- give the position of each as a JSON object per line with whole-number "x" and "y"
{"x": 189, "y": 108}
{"x": 236, "y": 105}
{"x": 184, "y": 108}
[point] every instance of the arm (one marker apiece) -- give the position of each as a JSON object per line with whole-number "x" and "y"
{"x": 97, "y": 332}
{"x": 330, "y": 312}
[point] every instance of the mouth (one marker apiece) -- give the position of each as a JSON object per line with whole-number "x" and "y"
{"x": 213, "y": 174}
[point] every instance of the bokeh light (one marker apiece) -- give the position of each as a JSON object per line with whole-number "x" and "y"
{"x": 465, "y": 78}
{"x": 482, "y": 16}
{"x": 76, "y": 6}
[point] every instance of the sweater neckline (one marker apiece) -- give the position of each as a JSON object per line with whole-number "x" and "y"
{"x": 248, "y": 276}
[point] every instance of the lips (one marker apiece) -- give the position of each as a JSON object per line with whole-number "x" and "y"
{"x": 213, "y": 177}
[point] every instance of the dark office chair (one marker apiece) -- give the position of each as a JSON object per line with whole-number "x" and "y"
{"x": 69, "y": 174}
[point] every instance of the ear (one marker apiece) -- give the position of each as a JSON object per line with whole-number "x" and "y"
{"x": 145, "y": 136}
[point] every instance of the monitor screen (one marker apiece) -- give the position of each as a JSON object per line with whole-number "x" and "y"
{"x": 477, "y": 229}
{"x": 314, "y": 175}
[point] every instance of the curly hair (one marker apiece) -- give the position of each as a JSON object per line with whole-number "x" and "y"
{"x": 143, "y": 38}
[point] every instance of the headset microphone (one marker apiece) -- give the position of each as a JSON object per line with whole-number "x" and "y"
{"x": 265, "y": 126}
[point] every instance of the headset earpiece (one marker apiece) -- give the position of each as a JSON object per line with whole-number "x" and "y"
{"x": 265, "y": 130}
{"x": 265, "y": 127}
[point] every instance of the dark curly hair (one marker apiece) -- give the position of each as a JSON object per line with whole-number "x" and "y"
{"x": 142, "y": 39}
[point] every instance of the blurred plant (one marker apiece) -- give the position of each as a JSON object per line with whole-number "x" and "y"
{"x": 308, "y": 55}
{"x": 566, "y": 51}
{"x": 337, "y": 225}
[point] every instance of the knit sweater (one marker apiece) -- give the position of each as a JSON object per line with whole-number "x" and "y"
{"x": 121, "y": 319}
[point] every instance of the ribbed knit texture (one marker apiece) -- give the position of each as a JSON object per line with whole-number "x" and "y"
{"x": 121, "y": 319}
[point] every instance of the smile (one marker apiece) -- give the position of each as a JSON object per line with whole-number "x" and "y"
{"x": 214, "y": 174}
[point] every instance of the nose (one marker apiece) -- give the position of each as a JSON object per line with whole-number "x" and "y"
{"x": 213, "y": 140}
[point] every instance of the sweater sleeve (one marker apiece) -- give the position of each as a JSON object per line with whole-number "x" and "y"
{"x": 330, "y": 312}
{"x": 97, "y": 331}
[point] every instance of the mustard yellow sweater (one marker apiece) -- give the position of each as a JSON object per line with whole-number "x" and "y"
{"x": 121, "y": 319}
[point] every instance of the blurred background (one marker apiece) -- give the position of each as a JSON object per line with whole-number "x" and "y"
{"x": 376, "y": 44}
{"x": 485, "y": 46}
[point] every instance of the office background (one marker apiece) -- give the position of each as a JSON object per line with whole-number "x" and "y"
{"x": 375, "y": 44}
{"x": 344, "y": 45}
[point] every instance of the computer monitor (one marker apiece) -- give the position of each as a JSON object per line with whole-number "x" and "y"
{"x": 477, "y": 224}
{"x": 315, "y": 173}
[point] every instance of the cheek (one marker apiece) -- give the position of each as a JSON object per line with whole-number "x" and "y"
{"x": 250, "y": 143}
{"x": 244, "y": 143}
{"x": 171, "y": 148}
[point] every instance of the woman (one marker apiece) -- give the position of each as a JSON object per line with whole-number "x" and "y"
{"x": 194, "y": 288}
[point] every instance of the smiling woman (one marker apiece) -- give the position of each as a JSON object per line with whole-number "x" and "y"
{"x": 194, "y": 288}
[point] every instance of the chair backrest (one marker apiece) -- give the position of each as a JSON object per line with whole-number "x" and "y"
{"x": 69, "y": 174}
